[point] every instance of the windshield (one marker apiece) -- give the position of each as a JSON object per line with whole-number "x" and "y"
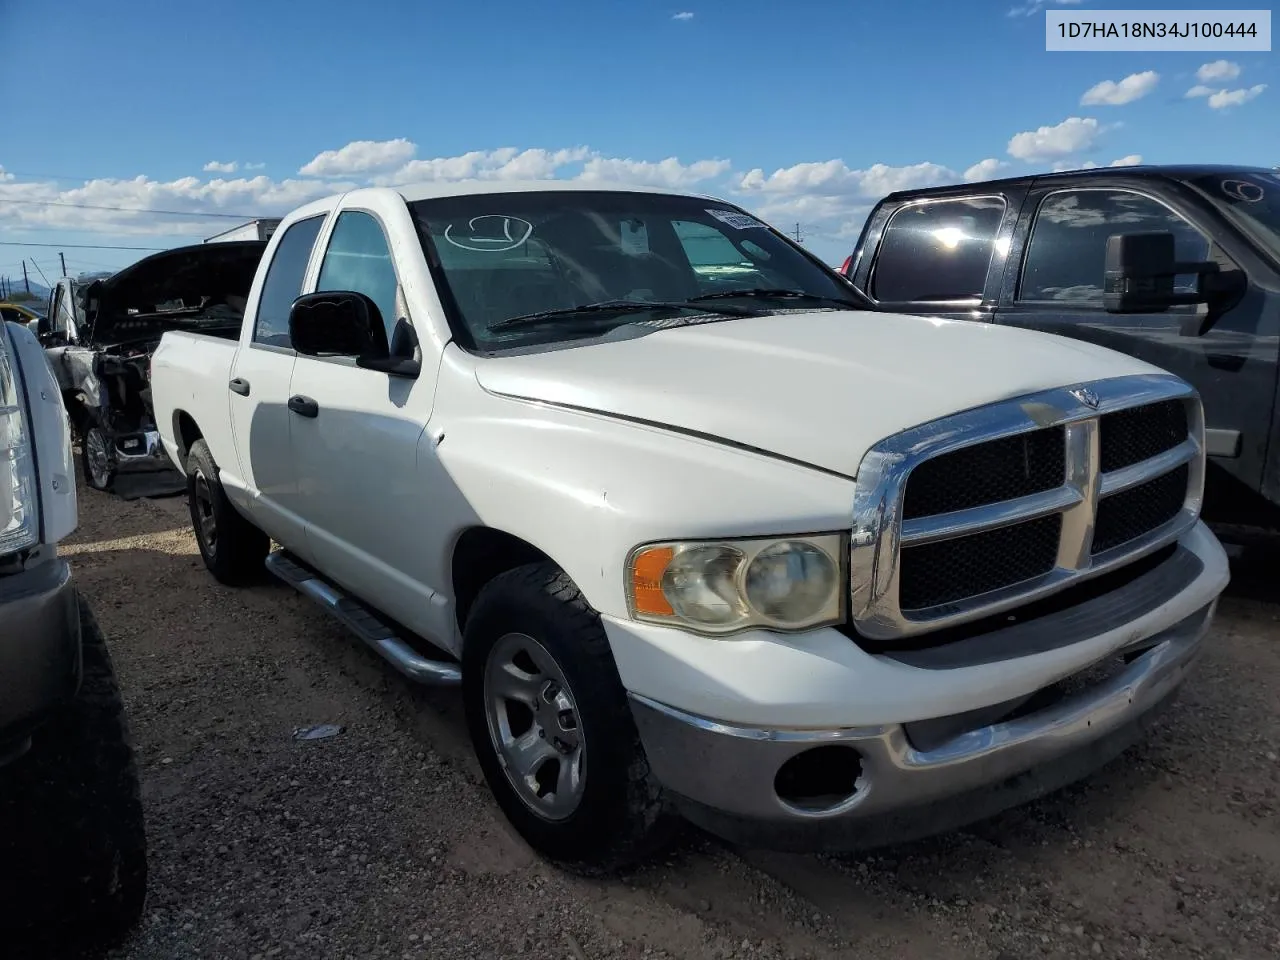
{"x": 510, "y": 255}
{"x": 1252, "y": 197}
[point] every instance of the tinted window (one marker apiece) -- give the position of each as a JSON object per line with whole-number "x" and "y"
{"x": 284, "y": 282}
{"x": 358, "y": 259}
{"x": 1253, "y": 197}
{"x": 937, "y": 251}
{"x": 1067, "y": 255}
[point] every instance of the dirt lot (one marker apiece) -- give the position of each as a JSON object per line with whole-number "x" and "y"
{"x": 382, "y": 842}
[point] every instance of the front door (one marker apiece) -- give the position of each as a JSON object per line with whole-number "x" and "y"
{"x": 1056, "y": 286}
{"x": 355, "y": 436}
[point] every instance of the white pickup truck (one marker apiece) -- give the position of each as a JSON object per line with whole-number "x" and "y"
{"x": 693, "y": 530}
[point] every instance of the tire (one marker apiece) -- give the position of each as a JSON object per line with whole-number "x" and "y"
{"x": 72, "y": 835}
{"x": 232, "y": 548}
{"x": 96, "y": 458}
{"x": 618, "y": 814}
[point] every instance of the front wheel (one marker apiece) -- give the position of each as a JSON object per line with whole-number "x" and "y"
{"x": 232, "y": 548}
{"x": 550, "y": 723}
{"x": 97, "y": 458}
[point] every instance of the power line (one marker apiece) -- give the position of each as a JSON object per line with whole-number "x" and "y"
{"x": 167, "y": 213}
{"x": 76, "y": 246}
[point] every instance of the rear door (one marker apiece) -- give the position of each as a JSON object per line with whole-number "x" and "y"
{"x": 940, "y": 256}
{"x": 258, "y": 392}
{"x": 1054, "y": 283}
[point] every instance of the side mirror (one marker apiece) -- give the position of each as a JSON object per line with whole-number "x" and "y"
{"x": 1140, "y": 269}
{"x": 337, "y": 323}
{"x": 344, "y": 323}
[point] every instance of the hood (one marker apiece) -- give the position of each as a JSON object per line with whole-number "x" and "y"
{"x": 819, "y": 388}
{"x": 162, "y": 291}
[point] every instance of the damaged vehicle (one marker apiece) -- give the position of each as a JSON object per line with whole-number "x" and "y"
{"x": 102, "y": 330}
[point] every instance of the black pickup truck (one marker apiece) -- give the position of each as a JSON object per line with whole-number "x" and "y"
{"x": 1175, "y": 265}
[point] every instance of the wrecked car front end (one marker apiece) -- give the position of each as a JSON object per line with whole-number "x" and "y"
{"x": 101, "y": 355}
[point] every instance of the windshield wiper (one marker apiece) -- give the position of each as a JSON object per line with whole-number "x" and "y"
{"x": 591, "y": 311}
{"x": 781, "y": 293}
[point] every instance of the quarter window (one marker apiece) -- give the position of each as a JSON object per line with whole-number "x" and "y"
{"x": 284, "y": 282}
{"x": 1066, "y": 258}
{"x": 937, "y": 251}
{"x": 358, "y": 259}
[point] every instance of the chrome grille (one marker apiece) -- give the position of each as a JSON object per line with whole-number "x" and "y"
{"x": 994, "y": 507}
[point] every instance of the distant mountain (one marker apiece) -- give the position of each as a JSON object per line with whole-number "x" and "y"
{"x": 18, "y": 290}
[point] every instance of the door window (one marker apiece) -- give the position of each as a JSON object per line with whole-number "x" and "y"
{"x": 937, "y": 251}
{"x": 284, "y": 282}
{"x": 358, "y": 259}
{"x": 1066, "y": 258}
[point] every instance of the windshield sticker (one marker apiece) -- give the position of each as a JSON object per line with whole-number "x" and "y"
{"x": 491, "y": 233}
{"x": 1245, "y": 190}
{"x": 635, "y": 237}
{"x": 739, "y": 221}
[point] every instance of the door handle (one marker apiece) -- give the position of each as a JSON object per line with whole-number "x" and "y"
{"x": 304, "y": 406}
{"x": 239, "y": 385}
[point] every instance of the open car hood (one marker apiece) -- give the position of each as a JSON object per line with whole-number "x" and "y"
{"x": 138, "y": 301}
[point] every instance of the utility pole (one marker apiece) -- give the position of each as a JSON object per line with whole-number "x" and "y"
{"x": 799, "y": 238}
{"x": 63, "y": 258}
{"x": 25, "y": 279}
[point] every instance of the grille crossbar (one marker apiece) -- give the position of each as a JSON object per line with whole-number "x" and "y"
{"x": 1098, "y": 425}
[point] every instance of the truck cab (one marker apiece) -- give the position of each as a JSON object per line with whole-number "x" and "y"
{"x": 1033, "y": 252}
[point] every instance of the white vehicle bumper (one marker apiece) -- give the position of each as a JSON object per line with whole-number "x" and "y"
{"x": 910, "y": 744}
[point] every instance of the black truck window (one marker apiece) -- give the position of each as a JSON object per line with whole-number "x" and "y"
{"x": 937, "y": 251}
{"x": 359, "y": 259}
{"x": 284, "y": 282}
{"x": 1066, "y": 257}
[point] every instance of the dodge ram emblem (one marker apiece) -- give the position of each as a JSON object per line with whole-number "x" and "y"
{"x": 1085, "y": 396}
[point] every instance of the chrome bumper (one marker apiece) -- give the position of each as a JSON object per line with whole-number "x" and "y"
{"x": 139, "y": 452}
{"x": 723, "y": 777}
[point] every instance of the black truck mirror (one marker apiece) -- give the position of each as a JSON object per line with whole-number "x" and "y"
{"x": 345, "y": 323}
{"x": 339, "y": 323}
{"x": 1140, "y": 270}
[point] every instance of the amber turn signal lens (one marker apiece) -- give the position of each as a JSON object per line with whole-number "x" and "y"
{"x": 646, "y": 581}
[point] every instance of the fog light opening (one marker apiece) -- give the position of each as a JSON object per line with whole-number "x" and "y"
{"x": 819, "y": 779}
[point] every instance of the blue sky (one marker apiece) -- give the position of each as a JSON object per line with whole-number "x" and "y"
{"x": 806, "y": 111}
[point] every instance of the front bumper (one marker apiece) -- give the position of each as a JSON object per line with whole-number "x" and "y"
{"x": 141, "y": 452}
{"x": 915, "y": 771}
{"x": 39, "y": 648}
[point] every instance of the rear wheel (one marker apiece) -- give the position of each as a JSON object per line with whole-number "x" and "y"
{"x": 550, "y": 723}
{"x": 232, "y": 548}
{"x": 72, "y": 835}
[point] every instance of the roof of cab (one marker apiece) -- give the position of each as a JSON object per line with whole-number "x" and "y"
{"x": 430, "y": 191}
{"x": 1171, "y": 171}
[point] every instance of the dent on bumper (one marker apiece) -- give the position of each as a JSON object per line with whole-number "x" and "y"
{"x": 39, "y": 645}
{"x": 140, "y": 452}
{"x": 724, "y": 776}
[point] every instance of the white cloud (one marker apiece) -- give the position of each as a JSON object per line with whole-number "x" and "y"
{"x": 1218, "y": 71}
{"x": 984, "y": 169}
{"x": 1032, "y": 7}
{"x": 5, "y": 175}
{"x": 1113, "y": 94}
{"x": 1132, "y": 160}
{"x": 1072, "y": 135}
{"x": 683, "y": 15}
{"x": 1200, "y": 90}
{"x": 665, "y": 173}
{"x": 255, "y": 166}
{"x": 360, "y": 156}
{"x": 1234, "y": 98}
{"x": 214, "y": 166}
{"x": 835, "y": 178}
{"x": 504, "y": 163}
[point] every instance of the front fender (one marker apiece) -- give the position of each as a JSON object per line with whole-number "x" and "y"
{"x": 585, "y": 489}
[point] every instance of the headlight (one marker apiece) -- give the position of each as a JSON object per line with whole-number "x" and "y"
{"x": 18, "y": 520}
{"x": 724, "y": 586}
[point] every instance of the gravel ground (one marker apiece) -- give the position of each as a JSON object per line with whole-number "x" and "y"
{"x": 383, "y": 842}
